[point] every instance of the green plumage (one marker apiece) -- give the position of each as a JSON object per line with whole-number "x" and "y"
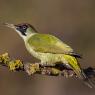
{"x": 49, "y": 49}
{"x": 46, "y": 43}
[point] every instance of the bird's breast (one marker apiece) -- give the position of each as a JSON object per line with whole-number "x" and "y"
{"x": 31, "y": 50}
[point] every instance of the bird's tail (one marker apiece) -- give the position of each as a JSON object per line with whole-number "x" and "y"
{"x": 87, "y": 81}
{"x": 73, "y": 63}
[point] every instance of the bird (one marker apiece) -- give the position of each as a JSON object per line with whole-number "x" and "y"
{"x": 49, "y": 49}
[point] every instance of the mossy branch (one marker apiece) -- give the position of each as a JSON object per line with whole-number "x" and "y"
{"x": 36, "y": 68}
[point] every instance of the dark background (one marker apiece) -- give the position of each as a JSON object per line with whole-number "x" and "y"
{"x": 73, "y": 21}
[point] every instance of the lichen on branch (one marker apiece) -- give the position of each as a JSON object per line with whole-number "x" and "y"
{"x": 11, "y": 64}
{"x": 36, "y": 68}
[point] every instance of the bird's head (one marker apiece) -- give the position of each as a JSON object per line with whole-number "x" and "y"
{"x": 23, "y": 30}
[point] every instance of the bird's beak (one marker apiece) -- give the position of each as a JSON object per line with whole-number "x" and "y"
{"x": 10, "y": 25}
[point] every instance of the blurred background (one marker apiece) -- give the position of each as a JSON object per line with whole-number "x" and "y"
{"x": 73, "y": 21}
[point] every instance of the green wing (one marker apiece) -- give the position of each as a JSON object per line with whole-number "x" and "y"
{"x": 46, "y": 43}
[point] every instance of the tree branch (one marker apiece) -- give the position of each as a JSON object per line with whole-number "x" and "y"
{"x": 36, "y": 68}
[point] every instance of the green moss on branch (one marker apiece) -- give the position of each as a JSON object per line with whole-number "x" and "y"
{"x": 36, "y": 68}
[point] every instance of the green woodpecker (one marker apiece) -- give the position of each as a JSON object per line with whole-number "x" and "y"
{"x": 49, "y": 49}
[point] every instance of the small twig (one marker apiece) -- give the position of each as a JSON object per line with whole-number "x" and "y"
{"x": 36, "y": 68}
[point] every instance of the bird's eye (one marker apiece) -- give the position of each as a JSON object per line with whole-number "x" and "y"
{"x": 24, "y": 27}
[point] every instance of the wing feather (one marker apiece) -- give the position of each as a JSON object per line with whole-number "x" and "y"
{"x": 46, "y": 43}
